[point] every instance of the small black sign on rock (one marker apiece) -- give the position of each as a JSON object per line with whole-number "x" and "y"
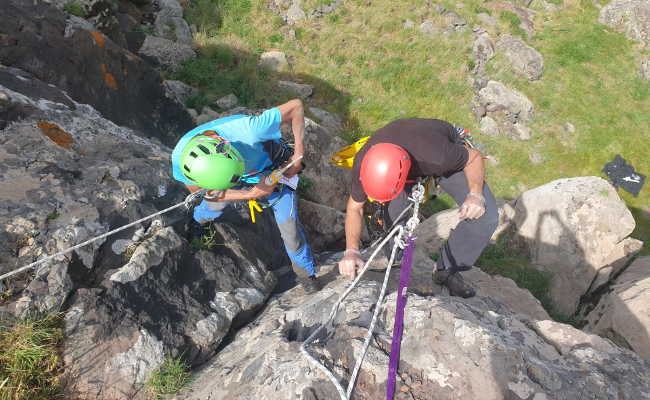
{"x": 622, "y": 174}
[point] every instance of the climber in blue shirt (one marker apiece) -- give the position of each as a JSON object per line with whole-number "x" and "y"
{"x": 231, "y": 156}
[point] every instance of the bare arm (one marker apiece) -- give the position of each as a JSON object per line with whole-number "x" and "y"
{"x": 353, "y": 224}
{"x": 257, "y": 191}
{"x": 475, "y": 172}
{"x": 294, "y": 113}
{"x": 474, "y": 205}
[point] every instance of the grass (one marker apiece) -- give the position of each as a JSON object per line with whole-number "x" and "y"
{"x": 207, "y": 240}
{"x": 170, "y": 377}
{"x": 506, "y": 260}
{"x": 368, "y": 69}
{"x": 29, "y": 362}
{"x": 75, "y": 9}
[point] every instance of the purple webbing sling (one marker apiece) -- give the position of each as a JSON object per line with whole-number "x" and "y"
{"x": 398, "y": 327}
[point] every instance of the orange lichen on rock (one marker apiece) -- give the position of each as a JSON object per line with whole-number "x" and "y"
{"x": 56, "y": 134}
{"x": 99, "y": 38}
{"x": 109, "y": 79}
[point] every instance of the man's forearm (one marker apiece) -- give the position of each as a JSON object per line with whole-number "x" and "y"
{"x": 353, "y": 226}
{"x": 475, "y": 172}
{"x": 298, "y": 129}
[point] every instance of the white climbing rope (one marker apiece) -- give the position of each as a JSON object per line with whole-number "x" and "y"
{"x": 189, "y": 200}
{"x": 398, "y": 231}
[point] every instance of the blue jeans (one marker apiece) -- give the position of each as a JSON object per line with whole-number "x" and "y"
{"x": 285, "y": 208}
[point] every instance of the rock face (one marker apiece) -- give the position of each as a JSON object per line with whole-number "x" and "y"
{"x": 631, "y": 17}
{"x": 573, "y": 228}
{"x": 451, "y": 348}
{"x": 91, "y": 68}
{"x": 139, "y": 295}
{"x": 166, "y": 53}
{"x": 524, "y": 59}
{"x": 622, "y": 314}
{"x": 496, "y": 96}
{"x": 324, "y": 225}
{"x": 483, "y": 51}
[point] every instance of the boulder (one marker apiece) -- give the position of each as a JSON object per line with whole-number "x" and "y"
{"x": 622, "y": 314}
{"x": 525, "y": 60}
{"x": 90, "y": 68}
{"x": 274, "y": 60}
{"x": 227, "y": 102}
{"x": 489, "y": 126}
{"x": 571, "y": 228}
{"x": 632, "y": 17}
{"x": 174, "y": 29}
{"x": 207, "y": 115}
{"x": 524, "y": 14}
{"x": 496, "y": 96}
{"x": 299, "y": 89}
{"x": 295, "y": 14}
{"x": 166, "y": 53}
{"x": 483, "y": 51}
{"x": 428, "y": 28}
{"x": 331, "y": 122}
{"x": 179, "y": 91}
{"x": 451, "y": 348}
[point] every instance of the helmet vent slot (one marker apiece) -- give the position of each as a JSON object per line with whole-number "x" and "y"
{"x": 235, "y": 179}
{"x": 186, "y": 168}
{"x": 204, "y": 149}
{"x": 193, "y": 154}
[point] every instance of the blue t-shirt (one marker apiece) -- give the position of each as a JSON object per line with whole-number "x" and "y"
{"x": 245, "y": 132}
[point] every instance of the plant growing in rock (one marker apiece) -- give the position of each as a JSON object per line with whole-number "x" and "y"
{"x": 30, "y": 366}
{"x": 75, "y": 9}
{"x": 170, "y": 377}
{"x": 206, "y": 241}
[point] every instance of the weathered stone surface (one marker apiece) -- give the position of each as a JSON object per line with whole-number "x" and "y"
{"x": 631, "y": 17}
{"x": 136, "y": 296}
{"x": 90, "y": 68}
{"x": 622, "y": 314}
{"x": 497, "y": 96}
{"x": 429, "y": 28}
{"x": 489, "y": 126}
{"x": 227, "y": 102}
{"x": 178, "y": 90}
{"x": 324, "y": 225}
{"x": 295, "y": 14}
{"x": 483, "y": 51}
{"x": 169, "y": 23}
{"x": 331, "y": 122}
{"x": 524, "y": 59}
{"x": 299, "y": 89}
{"x": 571, "y": 227}
{"x": 166, "y": 53}
{"x": 487, "y": 19}
{"x": 274, "y": 60}
{"x": 525, "y": 15}
{"x": 451, "y": 348}
{"x": 207, "y": 115}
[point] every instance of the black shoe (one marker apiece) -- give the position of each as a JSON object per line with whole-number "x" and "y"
{"x": 455, "y": 283}
{"x": 310, "y": 284}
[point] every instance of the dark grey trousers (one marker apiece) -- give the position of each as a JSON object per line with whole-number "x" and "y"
{"x": 470, "y": 237}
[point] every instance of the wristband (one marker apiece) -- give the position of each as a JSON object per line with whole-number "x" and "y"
{"x": 478, "y": 196}
{"x": 357, "y": 252}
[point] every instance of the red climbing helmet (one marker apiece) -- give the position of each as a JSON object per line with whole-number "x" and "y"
{"x": 383, "y": 173}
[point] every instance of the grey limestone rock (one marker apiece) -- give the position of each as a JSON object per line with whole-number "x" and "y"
{"x": 301, "y": 90}
{"x": 274, "y": 60}
{"x": 166, "y": 53}
{"x": 632, "y": 17}
{"x": 524, "y": 59}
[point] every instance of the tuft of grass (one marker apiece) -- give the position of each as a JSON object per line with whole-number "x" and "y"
{"x": 52, "y": 216}
{"x": 30, "y": 366}
{"x": 207, "y": 240}
{"x": 75, "y": 9}
{"x": 276, "y": 38}
{"x": 304, "y": 184}
{"x": 170, "y": 377}
{"x": 514, "y": 22}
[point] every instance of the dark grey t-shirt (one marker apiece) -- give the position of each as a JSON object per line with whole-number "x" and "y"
{"x": 431, "y": 143}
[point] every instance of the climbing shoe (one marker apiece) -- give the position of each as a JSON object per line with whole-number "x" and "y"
{"x": 455, "y": 283}
{"x": 310, "y": 284}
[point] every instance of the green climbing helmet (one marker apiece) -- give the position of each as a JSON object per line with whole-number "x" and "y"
{"x": 212, "y": 163}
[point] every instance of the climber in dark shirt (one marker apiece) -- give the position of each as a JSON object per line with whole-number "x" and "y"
{"x": 384, "y": 170}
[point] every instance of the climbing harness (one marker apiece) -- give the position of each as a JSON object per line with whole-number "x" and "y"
{"x": 399, "y": 231}
{"x": 191, "y": 200}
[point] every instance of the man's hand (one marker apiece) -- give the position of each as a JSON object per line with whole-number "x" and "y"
{"x": 473, "y": 207}
{"x": 295, "y": 168}
{"x": 349, "y": 264}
